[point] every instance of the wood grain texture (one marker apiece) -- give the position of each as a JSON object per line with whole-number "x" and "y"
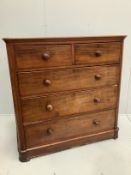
{"x": 98, "y": 53}
{"x": 31, "y": 56}
{"x": 65, "y": 90}
{"x": 69, "y": 128}
{"x": 70, "y": 103}
{"x": 43, "y": 82}
{"x": 16, "y": 97}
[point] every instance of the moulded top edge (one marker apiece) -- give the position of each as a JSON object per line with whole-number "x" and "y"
{"x": 65, "y": 39}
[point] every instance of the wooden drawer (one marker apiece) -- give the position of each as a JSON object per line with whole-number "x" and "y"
{"x": 42, "y": 56}
{"x": 40, "y": 82}
{"x": 69, "y": 128}
{"x": 98, "y": 53}
{"x": 53, "y": 106}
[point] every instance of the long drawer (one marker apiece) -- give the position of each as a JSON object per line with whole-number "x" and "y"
{"x": 43, "y": 134}
{"x": 59, "y": 105}
{"x": 41, "y": 82}
{"x": 98, "y": 53}
{"x": 30, "y": 56}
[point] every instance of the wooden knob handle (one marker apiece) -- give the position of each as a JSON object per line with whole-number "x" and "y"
{"x": 50, "y": 131}
{"x": 97, "y": 76}
{"x": 47, "y": 82}
{"x": 96, "y": 122}
{"x": 49, "y": 107}
{"x": 97, "y": 100}
{"x": 46, "y": 56}
{"x": 98, "y": 53}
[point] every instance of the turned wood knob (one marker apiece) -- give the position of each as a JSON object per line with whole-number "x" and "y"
{"x": 97, "y": 76}
{"x": 49, "y": 107}
{"x": 50, "y": 131}
{"x": 96, "y": 122}
{"x": 98, "y": 53}
{"x": 46, "y": 56}
{"x": 97, "y": 100}
{"x": 47, "y": 82}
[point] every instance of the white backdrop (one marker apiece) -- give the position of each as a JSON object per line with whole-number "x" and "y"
{"x": 29, "y": 18}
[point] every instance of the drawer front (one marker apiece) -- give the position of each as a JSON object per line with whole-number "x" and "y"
{"x": 69, "y": 128}
{"x": 92, "y": 54}
{"x": 59, "y": 105}
{"x": 42, "y": 56}
{"x": 38, "y": 83}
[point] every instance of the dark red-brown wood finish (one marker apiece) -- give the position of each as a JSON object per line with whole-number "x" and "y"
{"x": 65, "y": 90}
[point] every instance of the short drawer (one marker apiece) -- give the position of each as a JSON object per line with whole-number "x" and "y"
{"x": 41, "y": 82}
{"x": 69, "y": 128}
{"x": 98, "y": 53}
{"x": 59, "y": 105}
{"x": 42, "y": 56}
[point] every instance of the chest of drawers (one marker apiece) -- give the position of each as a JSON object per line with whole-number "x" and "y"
{"x": 65, "y": 91}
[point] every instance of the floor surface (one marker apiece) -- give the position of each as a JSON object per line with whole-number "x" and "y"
{"x": 111, "y": 157}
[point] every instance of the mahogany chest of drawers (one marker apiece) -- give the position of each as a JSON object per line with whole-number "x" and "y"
{"x": 65, "y": 91}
